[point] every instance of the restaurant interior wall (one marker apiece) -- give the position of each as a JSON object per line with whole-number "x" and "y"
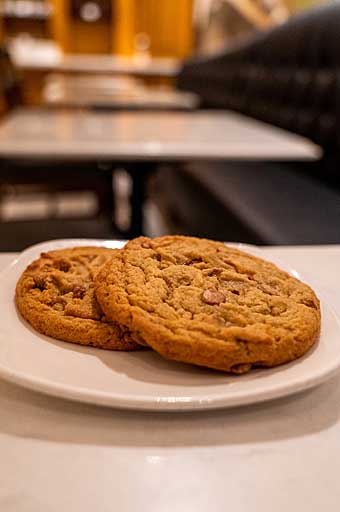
{"x": 104, "y": 26}
{"x": 297, "y": 5}
{"x": 140, "y": 29}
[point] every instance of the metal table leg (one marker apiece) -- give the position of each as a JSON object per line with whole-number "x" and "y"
{"x": 139, "y": 173}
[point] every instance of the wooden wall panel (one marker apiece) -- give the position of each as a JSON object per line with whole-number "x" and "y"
{"x": 296, "y": 5}
{"x": 168, "y": 24}
{"x": 123, "y": 31}
{"x": 89, "y": 37}
{"x": 76, "y": 36}
{"x": 59, "y": 23}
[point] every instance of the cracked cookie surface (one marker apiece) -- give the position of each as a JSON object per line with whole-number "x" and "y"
{"x": 55, "y": 294}
{"x": 201, "y": 302}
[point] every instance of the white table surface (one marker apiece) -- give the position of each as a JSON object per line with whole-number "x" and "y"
{"x": 75, "y": 63}
{"x": 284, "y": 455}
{"x": 146, "y": 98}
{"x": 147, "y": 136}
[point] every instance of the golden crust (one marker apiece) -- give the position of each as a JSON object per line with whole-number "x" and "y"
{"x": 55, "y": 294}
{"x": 201, "y": 302}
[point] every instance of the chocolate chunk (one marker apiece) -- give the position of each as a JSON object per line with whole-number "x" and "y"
{"x": 62, "y": 264}
{"x": 213, "y": 296}
{"x": 40, "y": 281}
{"x": 79, "y": 292}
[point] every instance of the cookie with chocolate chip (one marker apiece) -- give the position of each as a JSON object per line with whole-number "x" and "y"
{"x": 201, "y": 302}
{"x": 55, "y": 294}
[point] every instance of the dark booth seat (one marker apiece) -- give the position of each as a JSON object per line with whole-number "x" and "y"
{"x": 256, "y": 203}
{"x": 288, "y": 77}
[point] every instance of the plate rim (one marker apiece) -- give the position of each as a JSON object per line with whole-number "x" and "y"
{"x": 160, "y": 404}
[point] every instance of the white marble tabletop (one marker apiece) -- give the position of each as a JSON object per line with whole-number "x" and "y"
{"x": 144, "y": 99}
{"x": 160, "y": 136}
{"x": 35, "y": 58}
{"x": 283, "y": 455}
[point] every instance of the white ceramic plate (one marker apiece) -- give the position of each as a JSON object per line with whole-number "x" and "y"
{"x": 143, "y": 380}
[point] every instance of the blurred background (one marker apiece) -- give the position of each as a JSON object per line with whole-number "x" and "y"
{"x": 172, "y": 56}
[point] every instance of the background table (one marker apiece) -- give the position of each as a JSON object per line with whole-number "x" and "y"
{"x": 139, "y": 136}
{"x": 283, "y": 455}
{"x": 150, "y": 99}
{"x": 139, "y": 141}
{"x": 45, "y": 58}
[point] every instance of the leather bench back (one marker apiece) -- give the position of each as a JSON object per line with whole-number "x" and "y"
{"x": 288, "y": 76}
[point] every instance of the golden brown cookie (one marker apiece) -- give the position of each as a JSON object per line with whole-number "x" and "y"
{"x": 201, "y": 302}
{"x": 55, "y": 294}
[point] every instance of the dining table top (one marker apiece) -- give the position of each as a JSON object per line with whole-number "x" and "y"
{"x": 130, "y": 100}
{"x": 71, "y": 92}
{"x": 45, "y": 58}
{"x": 279, "y": 455}
{"x": 147, "y": 136}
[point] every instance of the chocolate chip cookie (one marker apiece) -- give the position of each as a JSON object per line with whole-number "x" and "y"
{"x": 55, "y": 294}
{"x": 202, "y": 302}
